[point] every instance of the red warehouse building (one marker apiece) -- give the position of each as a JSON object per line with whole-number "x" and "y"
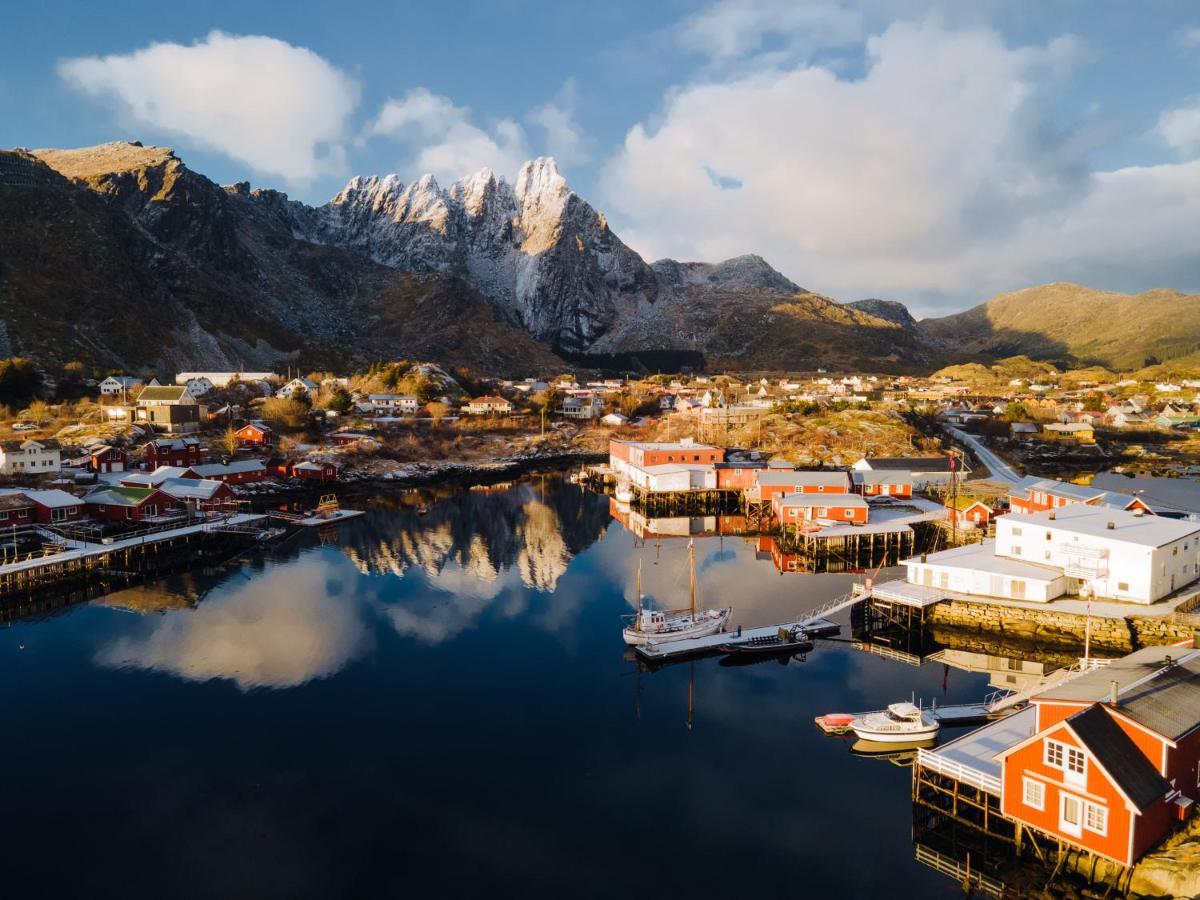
{"x": 624, "y": 454}
{"x": 255, "y": 434}
{"x": 773, "y": 483}
{"x": 242, "y": 471}
{"x": 801, "y": 510}
{"x": 967, "y": 513}
{"x": 1033, "y": 494}
{"x": 737, "y": 476}
{"x": 104, "y": 458}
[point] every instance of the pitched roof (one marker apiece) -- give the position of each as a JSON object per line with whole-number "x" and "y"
{"x": 873, "y": 477}
{"x": 1119, "y": 756}
{"x": 913, "y": 463}
{"x": 16, "y": 500}
{"x": 192, "y": 488}
{"x": 822, "y": 500}
{"x": 238, "y": 465}
{"x": 120, "y": 496}
{"x": 164, "y": 392}
{"x": 789, "y": 478}
{"x": 1094, "y": 521}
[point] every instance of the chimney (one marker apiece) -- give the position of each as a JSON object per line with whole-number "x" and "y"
{"x": 1051, "y": 515}
{"x": 1114, "y": 697}
{"x": 1112, "y": 526}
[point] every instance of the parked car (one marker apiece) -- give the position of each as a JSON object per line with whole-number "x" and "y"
{"x": 24, "y": 426}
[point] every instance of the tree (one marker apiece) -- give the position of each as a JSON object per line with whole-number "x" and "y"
{"x": 437, "y": 411}
{"x": 341, "y": 401}
{"x": 20, "y": 381}
{"x": 229, "y": 440}
{"x": 300, "y": 395}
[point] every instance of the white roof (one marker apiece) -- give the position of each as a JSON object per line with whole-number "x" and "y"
{"x": 155, "y": 478}
{"x": 830, "y": 499}
{"x": 667, "y": 445}
{"x": 1093, "y": 521}
{"x": 51, "y": 498}
{"x": 982, "y": 557}
{"x": 667, "y": 468}
{"x": 195, "y": 488}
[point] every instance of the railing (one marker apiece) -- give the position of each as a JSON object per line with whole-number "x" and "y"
{"x": 857, "y": 593}
{"x": 929, "y": 759}
{"x": 959, "y": 871}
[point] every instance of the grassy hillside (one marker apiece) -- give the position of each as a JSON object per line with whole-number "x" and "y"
{"x": 1075, "y": 325}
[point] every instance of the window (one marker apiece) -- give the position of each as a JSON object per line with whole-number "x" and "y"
{"x": 823, "y": 511}
{"x": 1016, "y": 532}
{"x": 1016, "y": 549}
{"x": 1076, "y": 761}
{"x": 1096, "y": 818}
{"x": 1122, "y": 585}
{"x": 1018, "y": 589}
{"x": 1070, "y": 815}
{"x": 1053, "y": 754}
{"x": 1034, "y": 794}
{"x": 1048, "y": 535}
{"x": 848, "y": 513}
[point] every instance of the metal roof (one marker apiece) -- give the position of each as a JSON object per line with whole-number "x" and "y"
{"x": 913, "y": 463}
{"x": 829, "y": 477}
{"x": 1093, "y": 521}
{"x": 830, "y": 499}
{"x": 1139, "y": 667}
{"x": 1116, "y": 752}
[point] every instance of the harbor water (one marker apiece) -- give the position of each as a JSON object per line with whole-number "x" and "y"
{"x": 434, "y": 700}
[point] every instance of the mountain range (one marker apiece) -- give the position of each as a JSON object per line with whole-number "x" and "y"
{"x": 121, "y": 256}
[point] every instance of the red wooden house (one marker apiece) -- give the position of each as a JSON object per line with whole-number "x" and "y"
{"x": 737, "y": 476}
{"x": 801, "y": 510}
{"x": 773, "y": 483}
{"x": 255, "y": 434}
{"x": 1111, "y": 775}
{"x": 55, "y": 507}
{"x": 104, "y": 458}
{"x": 968, "y": 513}
{"x": 642, "y": 454}
{"x": 15, "y": 509}
{"x": 882, "y": 484}
{"x": 123, "y": 504}
{"x": 182, "y": 452}
{"x": 315, "y": 470}
{"x": 1033, "y": 494}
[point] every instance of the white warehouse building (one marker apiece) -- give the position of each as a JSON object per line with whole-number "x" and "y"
{"x": 1078, "y": 549}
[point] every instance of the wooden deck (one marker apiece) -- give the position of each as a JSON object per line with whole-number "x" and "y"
{"x": 818, "y": 627}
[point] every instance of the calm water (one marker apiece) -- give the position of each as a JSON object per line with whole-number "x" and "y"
{"x": 440, "y": 706}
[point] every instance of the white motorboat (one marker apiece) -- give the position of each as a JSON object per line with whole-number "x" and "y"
{"x": 900, "y": 723}
{"x": 623, "y": 492}
{"x": 655, "y": 626}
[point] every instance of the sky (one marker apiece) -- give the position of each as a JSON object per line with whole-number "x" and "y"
{"x": 935, "y": 153}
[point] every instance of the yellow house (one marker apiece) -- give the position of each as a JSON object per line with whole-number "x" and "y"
{"x": 1080, "y": 432}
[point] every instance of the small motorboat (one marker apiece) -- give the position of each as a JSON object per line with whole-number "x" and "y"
{"x": 623, "y": 493}
{"x": 900, "y": 723}
{"x": 786, "y": 640}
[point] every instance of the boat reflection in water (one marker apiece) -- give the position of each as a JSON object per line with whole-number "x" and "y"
{"x": 896, "y": 753}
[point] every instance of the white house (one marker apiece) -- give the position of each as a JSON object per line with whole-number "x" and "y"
{"x": 976, "y": 569}
{"x": 200, "y": 386}
{"x": 298, "y": 386}
{"x": 584, "y": 406}
{"x": 119, "y": 385}
{"x": 29, "y": 457}
{"x": 674, "y": 477}
{"x": 405, "y": 404}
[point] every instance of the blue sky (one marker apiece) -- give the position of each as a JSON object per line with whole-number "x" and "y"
{"x": 930, "y": 152}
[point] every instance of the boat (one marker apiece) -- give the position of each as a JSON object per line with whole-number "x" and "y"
{"x": 900, "y": 723}
{"x": 623, "y": 492}
{"x": 655, "y": 626}
{"x": 786, "y": 640}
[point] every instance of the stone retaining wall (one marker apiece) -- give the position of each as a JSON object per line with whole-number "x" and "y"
{"x": 1049, "y": 626}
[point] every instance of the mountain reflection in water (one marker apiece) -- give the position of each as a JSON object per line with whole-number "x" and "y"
{"x": 441, "y": 705}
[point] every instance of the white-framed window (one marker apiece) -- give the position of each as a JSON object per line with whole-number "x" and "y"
{"x": 1054, "y": 754}
{"x": 1016, "y": 549}
{"x": 1016, "y": 532}
{"x": 1034, "y": 794}
{"x": 1076, "y": 761}
{"x": 1095, "y": 819}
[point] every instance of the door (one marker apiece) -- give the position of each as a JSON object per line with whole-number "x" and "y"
{"x": 1070, "y": 815}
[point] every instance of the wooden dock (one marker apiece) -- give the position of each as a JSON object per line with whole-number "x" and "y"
{"x": 316, "y": 521}
{"x": 654, "y": 653}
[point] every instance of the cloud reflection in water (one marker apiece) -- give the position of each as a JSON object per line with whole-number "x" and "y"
{"x": 280, "y": 629}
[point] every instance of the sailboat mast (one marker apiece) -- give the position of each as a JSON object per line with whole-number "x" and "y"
{"x": 692, "y": 572}
{"x": 638, "y": 615}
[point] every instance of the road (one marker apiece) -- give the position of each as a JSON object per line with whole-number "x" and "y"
{"x": 1000, "y": 470}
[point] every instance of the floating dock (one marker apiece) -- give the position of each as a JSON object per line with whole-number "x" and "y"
{"x": 331, "y": 519}
{"x": 700, "y": 646}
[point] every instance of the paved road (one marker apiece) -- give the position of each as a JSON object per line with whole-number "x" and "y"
{"x": 1001, "y": 471}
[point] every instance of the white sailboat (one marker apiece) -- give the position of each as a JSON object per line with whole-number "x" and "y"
{"x": 654, "y": 626}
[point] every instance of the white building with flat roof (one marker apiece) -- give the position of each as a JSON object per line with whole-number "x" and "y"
{"x": 1110, "y": 552}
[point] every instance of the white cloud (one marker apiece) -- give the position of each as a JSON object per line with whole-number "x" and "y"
{"x": 1189, "y": 38}
{"x": 937, "y": 173}
{"x": 280, "y": 109}
{"x": 733, "y": 28}
{"x": 1179, "y": 128}
{"x": 565, "y": 140}
{"x": 444, "y": 140}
